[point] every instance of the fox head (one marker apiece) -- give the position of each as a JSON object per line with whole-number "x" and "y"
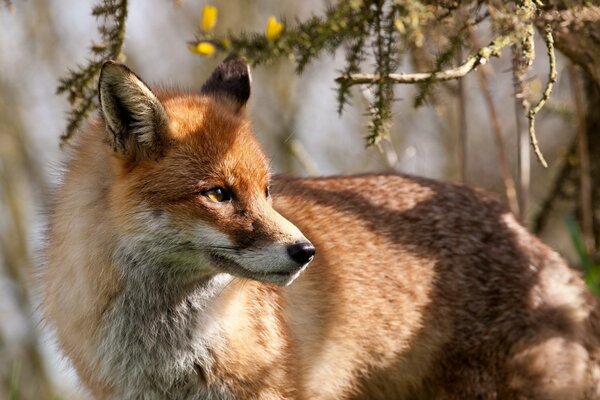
{"x": 191, "y": 184}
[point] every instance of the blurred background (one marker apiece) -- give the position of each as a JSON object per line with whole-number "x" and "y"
{"x": 294, "y": 118}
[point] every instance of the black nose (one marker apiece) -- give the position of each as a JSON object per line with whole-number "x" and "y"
{"x": 301, "y": 252}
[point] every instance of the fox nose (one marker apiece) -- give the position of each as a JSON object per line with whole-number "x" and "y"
{"x": 301, "y": 252}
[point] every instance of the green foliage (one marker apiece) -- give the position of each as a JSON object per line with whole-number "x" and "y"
{"x": 591, "y": 270}
{"x": 376, "y": 32}
{"x": 359, "y": 25}
{"x": 379, "y": 32}
{"x": 303, "y": 42}
{"x": 365, "y": 28}
{"x": 80, "y": 85}
{"x": 385, "y": 63}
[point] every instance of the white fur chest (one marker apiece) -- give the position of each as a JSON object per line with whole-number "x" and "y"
{"x": 158, "y": 337}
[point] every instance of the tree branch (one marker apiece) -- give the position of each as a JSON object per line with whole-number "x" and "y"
{"x": 563, "y": 179}
{"x": 481, "y": 57}
{"x": 549, "y": 40}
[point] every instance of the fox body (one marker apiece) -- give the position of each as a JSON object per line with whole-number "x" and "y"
{"x": 177, "y": 268}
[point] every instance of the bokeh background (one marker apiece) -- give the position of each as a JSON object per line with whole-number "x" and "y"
{"x": 294, "y": 118}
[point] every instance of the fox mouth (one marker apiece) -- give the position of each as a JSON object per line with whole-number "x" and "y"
{"x": 282, "y": 278}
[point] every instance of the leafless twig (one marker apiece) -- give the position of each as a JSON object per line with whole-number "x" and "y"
{"x": 549, "y": 40}
{"x": 585, "y": 190}
{"x": 481, "y": 57}
{"x": 462, "y": 124}
{"x": 523, "y": 151}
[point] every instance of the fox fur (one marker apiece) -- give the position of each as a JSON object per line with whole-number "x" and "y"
{"x": 418, "y": 289}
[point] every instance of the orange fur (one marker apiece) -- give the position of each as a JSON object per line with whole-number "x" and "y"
{"x": 419, "y": 289}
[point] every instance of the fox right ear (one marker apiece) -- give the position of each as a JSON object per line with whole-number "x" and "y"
{"x": 134, "y": 117}
{"x": 231, "y": 81}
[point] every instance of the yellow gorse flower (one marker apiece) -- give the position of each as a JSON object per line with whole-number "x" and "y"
{"x": 274, "y": 28}
{"x": 209, "y": 17}
{"x": 202, "y": 48}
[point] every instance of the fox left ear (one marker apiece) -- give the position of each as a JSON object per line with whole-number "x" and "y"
{"x": 135, "y": 119}
{"x": 231, "y": 81}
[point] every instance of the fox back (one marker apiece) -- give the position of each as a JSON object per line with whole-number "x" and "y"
{"x": 179, "y": 268}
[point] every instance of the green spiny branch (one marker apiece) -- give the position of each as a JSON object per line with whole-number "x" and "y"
{"x": 355, "y": 56}
{"x": 383, "y": 92}
{"x": 80, "y": 85}
{"x": 304, "y": 42}
{"x": 389, "y": 26}
{"x": 456, "y": 43}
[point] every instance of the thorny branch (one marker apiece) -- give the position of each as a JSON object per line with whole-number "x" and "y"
{"x": 355, "y": 22}
{"x": 80, "y": 85}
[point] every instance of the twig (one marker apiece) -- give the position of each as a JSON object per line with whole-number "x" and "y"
{"x": 481, "y": 57}
{"x": 509, "y": 184}
{"x": 549, "y": 40}
{"x": 585, "y": 189}
{"x": 563, "y": 178}
{"x": 296, "y": 149}
{"x": 462, "y": 124}
{"x": 386, "y": 147}
{"x": 523, "y": 159}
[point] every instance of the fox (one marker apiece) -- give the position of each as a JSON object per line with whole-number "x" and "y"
{"x": 178, "y": 267}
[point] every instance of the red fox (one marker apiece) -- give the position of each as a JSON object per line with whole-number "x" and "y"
{"x": 178, "y": 268}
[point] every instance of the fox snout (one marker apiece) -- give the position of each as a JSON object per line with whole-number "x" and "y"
{"x": 302, "y": 252}
{"x": 277, "y": 262}
{"x": 265, "y": 247}
{"x": 269, "y": 247}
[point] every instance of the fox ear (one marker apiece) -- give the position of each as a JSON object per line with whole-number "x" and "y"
{"x": 135, "y": 119}
{"x": 230, "y": 80}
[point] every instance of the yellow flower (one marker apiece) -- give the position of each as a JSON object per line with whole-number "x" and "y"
{"x": 209, "y": 17}
{"x": 399, "y": 24}
{"x": 274, "y": 28}
{"x": 202, "y": 48}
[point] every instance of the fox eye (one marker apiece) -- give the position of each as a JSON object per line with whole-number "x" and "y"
{"x": 218, "y": 194}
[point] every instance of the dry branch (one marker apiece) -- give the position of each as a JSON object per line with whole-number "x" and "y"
{"x": 481, "y": 57}
{"x": 549, "y": 40}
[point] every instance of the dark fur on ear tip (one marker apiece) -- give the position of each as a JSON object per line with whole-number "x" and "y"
{"x": 110, "y": 67}
{"x": 232, "y": 79}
